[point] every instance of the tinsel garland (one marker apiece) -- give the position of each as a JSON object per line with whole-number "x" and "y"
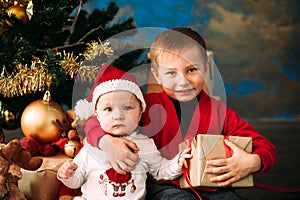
{"x": 26, "y": 80}
{"x": 7, "y": 3}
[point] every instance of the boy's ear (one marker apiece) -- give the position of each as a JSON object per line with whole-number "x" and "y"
{"x": 207, "y": 66}
{"x": 156, "y": 76}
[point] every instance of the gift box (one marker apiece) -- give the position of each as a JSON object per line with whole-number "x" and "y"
{"x": 42, "y": 184}
{"x": 207, "y": 147}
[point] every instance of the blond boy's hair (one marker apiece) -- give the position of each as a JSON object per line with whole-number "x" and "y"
{"x": 176, "y": 41}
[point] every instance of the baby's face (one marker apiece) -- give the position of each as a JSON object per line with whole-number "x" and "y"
{"x": 181, "y": 76}
{"x": 118, "y": 112}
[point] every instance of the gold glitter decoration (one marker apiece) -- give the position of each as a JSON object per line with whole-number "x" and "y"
{"x": 7, "y": 3}
{"x": 25, "y": 80}
{"x": 87, "y": 73}
{"x": 95, "y": 49}
{"x": 69, "y": 63}
{"x": 36, "y": 78}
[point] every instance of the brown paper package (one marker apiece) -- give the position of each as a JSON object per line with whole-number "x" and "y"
{"x": 206, "y": 147}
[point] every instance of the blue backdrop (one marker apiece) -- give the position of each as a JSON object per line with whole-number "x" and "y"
{"x": 255, "y": 45}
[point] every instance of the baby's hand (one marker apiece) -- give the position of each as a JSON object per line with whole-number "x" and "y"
{"x": 67, "y": 169}
{"x": 183, "y": 156}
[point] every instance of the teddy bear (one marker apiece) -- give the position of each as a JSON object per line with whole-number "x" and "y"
{"x": 13, "y": 157}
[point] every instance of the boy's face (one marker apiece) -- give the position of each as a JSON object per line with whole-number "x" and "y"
{"x": 181, "y": 76}
{"x": 118, "y": 112}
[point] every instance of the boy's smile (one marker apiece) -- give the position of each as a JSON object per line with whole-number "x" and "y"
{"x": 184, "y": 91}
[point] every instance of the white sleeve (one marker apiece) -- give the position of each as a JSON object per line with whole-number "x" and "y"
{"x": 79, "y": 176}
{"x": 159, "y": 167}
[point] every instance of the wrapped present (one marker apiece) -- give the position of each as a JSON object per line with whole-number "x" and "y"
{"x": 42, "y": 184}
{"x": 207, "y": 147}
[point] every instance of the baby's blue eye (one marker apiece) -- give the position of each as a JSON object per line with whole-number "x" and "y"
{"x": 171, "y": 73}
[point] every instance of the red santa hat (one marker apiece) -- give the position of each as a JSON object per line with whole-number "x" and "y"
{"x": 108, "y": 79}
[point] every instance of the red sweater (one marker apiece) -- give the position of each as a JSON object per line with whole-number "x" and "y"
{"x": 161, "y": 123}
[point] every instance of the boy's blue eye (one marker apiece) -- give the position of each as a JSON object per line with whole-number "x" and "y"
{"x": 197, "y": 67}
{"x": 192, "y": 69}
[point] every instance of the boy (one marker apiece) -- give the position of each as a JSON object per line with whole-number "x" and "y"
{"x": 118, "y": 104}
{"x": 183, "y": 109}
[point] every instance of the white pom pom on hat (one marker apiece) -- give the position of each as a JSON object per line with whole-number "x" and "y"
{"x": 108, "y": 79}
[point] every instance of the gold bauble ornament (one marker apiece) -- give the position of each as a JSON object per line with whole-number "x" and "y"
{"x": 72, "y": 147}
{"x": 39, "y": 120}
{"x": 18, "y": 12}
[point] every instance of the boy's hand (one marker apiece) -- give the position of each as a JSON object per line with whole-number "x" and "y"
{"x": 183, "y": 156}
{"x": 67, "y": 169}
{"x": 120, "y": 152}
{"x": 230, "y": 170}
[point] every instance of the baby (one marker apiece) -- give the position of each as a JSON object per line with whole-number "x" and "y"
{"x": 118, "y": 104}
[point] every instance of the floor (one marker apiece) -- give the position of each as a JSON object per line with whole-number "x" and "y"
{"x": 286, "y": 172}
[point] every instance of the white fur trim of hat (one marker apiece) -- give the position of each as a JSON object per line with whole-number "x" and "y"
{"x": 85, "y": 109}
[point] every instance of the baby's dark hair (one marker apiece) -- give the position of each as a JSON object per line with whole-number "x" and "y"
{"x": 176, "y": 40}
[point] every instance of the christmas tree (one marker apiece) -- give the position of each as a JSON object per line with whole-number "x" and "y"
{"x": 42, "y": 45}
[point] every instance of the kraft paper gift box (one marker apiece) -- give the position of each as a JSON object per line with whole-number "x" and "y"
{"x": 42, "y": 184}
{"x": 206, "y": 147}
